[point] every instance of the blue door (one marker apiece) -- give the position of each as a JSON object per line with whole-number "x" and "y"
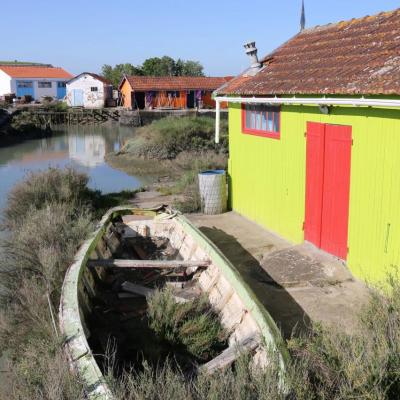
{"x": 61, "y": 90}
{"x": 77, "y": 96}
{"x": 24, "y": 88}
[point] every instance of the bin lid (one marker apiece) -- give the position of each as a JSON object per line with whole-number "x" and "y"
{"x": 213, "y": 172}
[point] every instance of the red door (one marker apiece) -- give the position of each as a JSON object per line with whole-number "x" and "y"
{"x": 328, "y": 187}
{"x": 314, "y": 182}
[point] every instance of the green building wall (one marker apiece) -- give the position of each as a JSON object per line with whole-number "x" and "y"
{"x": 267, "y": 181}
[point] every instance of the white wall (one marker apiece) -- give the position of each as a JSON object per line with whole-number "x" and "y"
{"x": 5, "y": 83}
{"x": 91, "y": 99}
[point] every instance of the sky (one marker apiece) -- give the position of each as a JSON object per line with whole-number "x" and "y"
{"x": 82, "y": 35}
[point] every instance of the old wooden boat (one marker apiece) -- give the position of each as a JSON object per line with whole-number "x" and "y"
{"x": 133, "y": 251}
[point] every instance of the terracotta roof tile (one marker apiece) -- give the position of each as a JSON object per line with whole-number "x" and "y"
{"x": 95, "y": 76}
{"x": 144, "y": 83}
{"x": 34, "y": 71}
{"x": 360, "y": 56}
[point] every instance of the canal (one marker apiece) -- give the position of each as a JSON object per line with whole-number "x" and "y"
{"x": 81, "y": 147}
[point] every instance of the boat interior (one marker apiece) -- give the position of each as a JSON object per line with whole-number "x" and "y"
{"x": 136, "y": 255}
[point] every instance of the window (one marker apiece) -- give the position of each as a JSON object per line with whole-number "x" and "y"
{"x": 24, "y": 84}
{"x": 43, "y": 85}
{"x": 261, "y": 120}
{"x": 94, "y": 89}
{"x": 61, "y": 84}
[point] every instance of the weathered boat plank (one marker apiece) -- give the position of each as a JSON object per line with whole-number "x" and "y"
{"x": 161, "y": 264}
{"x": 229, "y": 355}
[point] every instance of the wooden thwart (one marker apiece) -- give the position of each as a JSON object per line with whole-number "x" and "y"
{"x": 229, "y": 355}
{"x": 161, "y": 264}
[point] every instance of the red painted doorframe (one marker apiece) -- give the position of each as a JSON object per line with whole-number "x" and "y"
{"x": 328, "y": 187}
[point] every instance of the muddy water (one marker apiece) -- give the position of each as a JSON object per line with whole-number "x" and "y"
{"x": 80, "y": 147}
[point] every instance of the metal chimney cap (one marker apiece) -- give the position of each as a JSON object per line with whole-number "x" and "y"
{"x": 249, "y": 44}
{"x": 251, "y": 51}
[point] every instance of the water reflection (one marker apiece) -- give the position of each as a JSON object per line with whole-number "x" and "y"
{"x": 88, "y": 150}
{"x": 81, "y": 147}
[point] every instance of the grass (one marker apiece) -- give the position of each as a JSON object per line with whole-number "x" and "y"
{"x": 178, "y": 147}
{"x": 330, "y": 364}
{"x": 187, "y": 185}
{"x": 101, "y": 202}
{"x": 170, "y": 136}
{"x": 244, "y": 382}
{"x": 193, "y": 325}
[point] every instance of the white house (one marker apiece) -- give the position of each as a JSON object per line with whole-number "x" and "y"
{"x": 34, "y": 80}
{"x": 88, "y": 90}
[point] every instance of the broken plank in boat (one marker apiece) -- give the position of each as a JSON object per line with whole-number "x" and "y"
{"x": 145, "y": 291}
{"x": 161, "y": 264}
{"x": 229, "y": 355}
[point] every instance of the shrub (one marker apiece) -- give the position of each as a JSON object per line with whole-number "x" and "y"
{"x": 39, "y": 189}
{"x": 168, "y": 137}
{"x": 45, "y": 242}
{"x": 24, "y": 122}
{"x": 46, "y": 218}
{"x": 330, "y": 364}
{"x": 42, "y": 372}
{"x": 193, "y": 324}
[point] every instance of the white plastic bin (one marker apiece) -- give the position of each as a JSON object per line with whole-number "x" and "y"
{"x": 213, "y": 193}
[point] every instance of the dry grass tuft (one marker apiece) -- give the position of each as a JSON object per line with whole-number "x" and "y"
{"x": 46, "y": 219}
{"x": 330, "y": 364}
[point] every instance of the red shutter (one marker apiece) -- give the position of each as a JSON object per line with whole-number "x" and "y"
{"x": 336, "y": 193}
{"x": 314, "y": 182}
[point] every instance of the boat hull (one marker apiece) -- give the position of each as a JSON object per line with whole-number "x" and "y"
{"x": 241, "y": 313}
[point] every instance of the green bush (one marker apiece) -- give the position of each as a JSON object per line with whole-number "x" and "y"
{"x": 193, "y": 325}
{"x": 24, "y": 122}
{"x": 167, "y": 137}
{"x": 39, "y": 189}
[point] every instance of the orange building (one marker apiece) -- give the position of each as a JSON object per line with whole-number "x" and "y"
{"x": 169, "y": 92}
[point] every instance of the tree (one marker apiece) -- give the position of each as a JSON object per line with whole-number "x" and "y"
{"x": 154, "y": 66}
{"x": 115, "y": 74}
{"x": 192, "y": 68}
{"x": 167, "y": 66}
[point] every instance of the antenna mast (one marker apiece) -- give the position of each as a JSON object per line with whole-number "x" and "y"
{"x": 303, "y": 17}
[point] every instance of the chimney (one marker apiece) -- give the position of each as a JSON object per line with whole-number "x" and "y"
{"x": 251, "y": 51}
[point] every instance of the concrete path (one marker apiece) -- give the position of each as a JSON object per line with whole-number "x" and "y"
{"x": 296, "y": 283}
